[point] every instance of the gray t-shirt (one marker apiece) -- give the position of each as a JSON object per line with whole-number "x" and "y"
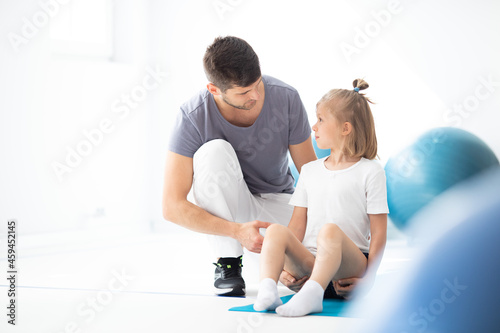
{"x": 261, "y": 148}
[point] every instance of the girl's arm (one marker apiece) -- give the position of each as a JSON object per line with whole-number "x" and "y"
{"x": 378, "y": 230}
{"x": 298, "y": 222}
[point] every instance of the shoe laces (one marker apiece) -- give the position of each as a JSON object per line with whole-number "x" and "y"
{"x": 229, "y": 271}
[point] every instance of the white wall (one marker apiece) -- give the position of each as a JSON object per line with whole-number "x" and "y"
{"x": 421, "y": 61}
{"x": 51, "y": 100}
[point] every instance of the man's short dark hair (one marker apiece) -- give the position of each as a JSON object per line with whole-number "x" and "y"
{"x": 231, "y": 61}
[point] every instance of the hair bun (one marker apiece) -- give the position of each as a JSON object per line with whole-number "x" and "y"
{"x": 360, "y": 84}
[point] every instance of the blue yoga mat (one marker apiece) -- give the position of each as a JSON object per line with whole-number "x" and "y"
{"x": 331, "y": 308}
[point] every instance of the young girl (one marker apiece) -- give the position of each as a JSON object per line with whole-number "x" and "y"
{"x": 337, "y": 232}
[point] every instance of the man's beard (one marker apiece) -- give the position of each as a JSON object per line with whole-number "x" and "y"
{"x": 240, "y": 107}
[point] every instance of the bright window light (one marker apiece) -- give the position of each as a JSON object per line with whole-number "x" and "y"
{"x": 83, "y": 28}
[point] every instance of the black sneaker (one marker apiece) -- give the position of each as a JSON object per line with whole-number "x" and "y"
{"x": 227, "y": 277}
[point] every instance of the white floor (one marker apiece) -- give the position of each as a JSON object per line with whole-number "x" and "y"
{"x": 95, "y": 282}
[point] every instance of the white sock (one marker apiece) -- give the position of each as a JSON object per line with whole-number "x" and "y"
{"x": 267, "y": 298}
{"x": 308, "y": 300}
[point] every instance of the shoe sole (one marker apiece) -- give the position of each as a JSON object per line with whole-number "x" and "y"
{"x": 236, "y": 291}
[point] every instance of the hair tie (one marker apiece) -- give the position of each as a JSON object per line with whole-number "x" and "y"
{"x": 356, "y": 89}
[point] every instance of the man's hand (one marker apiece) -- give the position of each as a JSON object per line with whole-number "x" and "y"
{"x": 291, "y": 282}
{"x": 248, "y": 235}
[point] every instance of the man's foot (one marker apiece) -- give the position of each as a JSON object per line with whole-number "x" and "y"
{"x": 227, "y": 277}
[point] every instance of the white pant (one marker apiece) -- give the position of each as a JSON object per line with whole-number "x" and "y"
{"x": 220, "y": 189}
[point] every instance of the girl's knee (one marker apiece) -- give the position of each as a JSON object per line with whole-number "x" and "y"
{"x": 276, "y": 234}
{"x": 330, "y": 231}
{"x": 276, "y": 229}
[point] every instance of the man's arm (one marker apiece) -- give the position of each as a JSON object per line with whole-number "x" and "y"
{"x": 302, "y": 153}
{"x": 176, "y": 208}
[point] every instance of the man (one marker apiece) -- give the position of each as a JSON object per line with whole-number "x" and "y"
{"x": 230, "y": 144}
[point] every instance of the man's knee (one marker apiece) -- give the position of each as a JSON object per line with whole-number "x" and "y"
{"x": 216, "y": 170}
{"x": 216, "y": 155}
{"x": 215, "y": 147}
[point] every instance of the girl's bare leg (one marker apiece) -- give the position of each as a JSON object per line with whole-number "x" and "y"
{"x": 281, "y": 249}
{"x": 338, "y": 257}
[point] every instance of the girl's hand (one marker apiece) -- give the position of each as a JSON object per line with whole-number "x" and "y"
{"x": 291, "y": 282}
{"x": 344, "y": 287}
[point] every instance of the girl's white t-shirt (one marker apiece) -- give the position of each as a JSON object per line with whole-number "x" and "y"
{"x": 344, "y": 197}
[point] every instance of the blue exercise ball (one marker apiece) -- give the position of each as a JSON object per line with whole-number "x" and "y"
{"x": 320, "y": 153}
{"x": 438, "y": 290}
{"x": 437, "y": 160}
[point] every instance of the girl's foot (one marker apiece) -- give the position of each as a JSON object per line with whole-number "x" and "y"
{"x": 308, "y": 300}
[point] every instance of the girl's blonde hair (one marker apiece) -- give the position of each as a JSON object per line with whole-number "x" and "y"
{"x": 351, "y": 106}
